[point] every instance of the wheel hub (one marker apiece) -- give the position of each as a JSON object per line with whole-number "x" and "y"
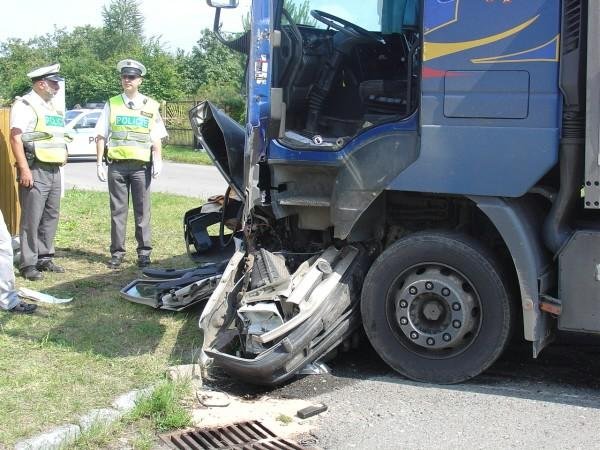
{"x": 434, "y": 308}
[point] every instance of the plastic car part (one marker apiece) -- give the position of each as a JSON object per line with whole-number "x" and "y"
{"x": 269, "y": 269}
{"x": 258, "y": 318}
{"x": 188, "y": 287}
{"x": 311, "y": 410}
{"x": 197, "y": 220}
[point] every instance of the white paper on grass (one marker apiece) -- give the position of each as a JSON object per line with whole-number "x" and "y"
{"x": 36, "y": 296}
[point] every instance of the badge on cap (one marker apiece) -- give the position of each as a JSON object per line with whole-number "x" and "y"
{"x": 131, "y": 67}
{"x": 46, "y": 73}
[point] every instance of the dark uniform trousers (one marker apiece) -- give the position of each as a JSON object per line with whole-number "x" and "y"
{"x": 126, "y": 176}
{"x": 40, "y": 207}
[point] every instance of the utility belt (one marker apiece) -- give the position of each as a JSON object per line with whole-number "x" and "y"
{"x": 128, "y": 161}
{"x": 29, "y": 150}
{"x": 122, "y": 162}
{"x": 109, "y": 161}
{"x": 49, "y": 167}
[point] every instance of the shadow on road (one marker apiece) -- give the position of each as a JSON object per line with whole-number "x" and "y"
{"x": 567, "y": 372}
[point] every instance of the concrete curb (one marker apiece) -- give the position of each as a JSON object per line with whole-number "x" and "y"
{"x": 126, "y": 402}
{"x": 58, "y": 437}
{"x": 52, "y": 440}
{"x": 99, "y": 417}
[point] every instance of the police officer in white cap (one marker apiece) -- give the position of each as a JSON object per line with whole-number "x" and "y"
{"x": 38, "y": 164}
{"x": 131, "y": 129}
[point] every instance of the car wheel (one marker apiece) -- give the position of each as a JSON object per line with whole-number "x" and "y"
{"x": 435, "y": 307}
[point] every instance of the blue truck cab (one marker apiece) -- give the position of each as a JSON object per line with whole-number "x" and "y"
{"x": 420, "y": 167}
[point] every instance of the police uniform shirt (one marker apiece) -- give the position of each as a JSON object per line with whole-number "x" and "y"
{"x": 102, "y": 126}
{"x": 23, "y": 116}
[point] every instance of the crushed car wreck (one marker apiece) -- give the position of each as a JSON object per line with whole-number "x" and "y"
{"x": 264, "y": 324}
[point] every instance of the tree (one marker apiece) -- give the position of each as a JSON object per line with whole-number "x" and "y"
{"x": 123, "y": 26}
{"x": 212, "y": 62}
{"x": 163, "y": 81}
{"x": 89, "y": 55}
{"x": 300, "y": 12}
{"x": 15, "y": 55}
{"x": 216, "y": 73}
{"x": 18, "y": 57}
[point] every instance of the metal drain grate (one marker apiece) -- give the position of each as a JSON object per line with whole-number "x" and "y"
{"x": 251, "y": 435}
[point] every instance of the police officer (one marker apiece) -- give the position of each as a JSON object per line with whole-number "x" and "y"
{"x": 131, "y": 127}
{"x": 38, "y": 169}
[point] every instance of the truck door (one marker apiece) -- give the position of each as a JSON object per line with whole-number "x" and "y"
{"x": 260, "y": 69}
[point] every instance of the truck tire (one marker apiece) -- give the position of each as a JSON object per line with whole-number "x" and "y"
{"x": 435, "y": 307}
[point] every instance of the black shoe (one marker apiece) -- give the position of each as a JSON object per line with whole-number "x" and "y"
{"x": 143, "y": 261}
{"x": 114, "y": 262}
{"x": 31, "y": 273}
{"x": 49, "y": 266}
{"x": 24, "y": 308}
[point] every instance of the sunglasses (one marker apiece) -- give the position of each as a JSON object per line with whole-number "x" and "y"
{"x": 129, "y": 77}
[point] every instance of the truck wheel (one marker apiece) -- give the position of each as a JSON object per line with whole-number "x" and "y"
{"x": 435, "y": 307}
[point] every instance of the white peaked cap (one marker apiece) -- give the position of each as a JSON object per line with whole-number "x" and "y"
{"x": 131, "y": 67}
{"x": 47, "y": 73}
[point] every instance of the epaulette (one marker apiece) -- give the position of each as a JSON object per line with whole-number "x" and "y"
{"x": 21, "y": 99}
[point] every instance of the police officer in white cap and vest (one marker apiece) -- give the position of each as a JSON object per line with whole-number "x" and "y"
{"x": 38, "y": 163}
{"x": 129, "y": 133}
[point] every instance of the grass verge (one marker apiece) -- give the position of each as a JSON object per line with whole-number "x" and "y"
{"x": 66, "y": 359}
{"x": 186, "y": 155}
{"x": 164, "y": 410}
{"x": 164, "y": 407}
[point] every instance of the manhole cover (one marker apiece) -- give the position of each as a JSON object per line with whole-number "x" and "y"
{"x": 251, "y": 435}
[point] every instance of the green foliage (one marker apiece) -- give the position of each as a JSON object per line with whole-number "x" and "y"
{"x": 226, "y": 96}
{"x": 300, "y": 12}
{"x": 123, "y": 25}
{"x": 186, "y": 155}
{"x": 284, "y": 419}
{"x": 213, "y": 63}
{"x": 17, "y": 57}
{"x": 217, "y": 74}
{"x": 88, "y": 78}
{"x": 164, "y": 406}
{"x": 162, "y": 82}
{"x": 88, "y": 56}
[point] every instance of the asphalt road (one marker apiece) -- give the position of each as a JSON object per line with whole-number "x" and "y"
{"x": 551, "y": 402}
{"x": 184, "y": 179}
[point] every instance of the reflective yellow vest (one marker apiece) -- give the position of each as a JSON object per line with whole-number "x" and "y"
{"x": 130, "y": 129}
{"x": 54, "y": 149}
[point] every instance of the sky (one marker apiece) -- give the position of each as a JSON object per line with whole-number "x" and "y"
{"x": 179, "y": 22}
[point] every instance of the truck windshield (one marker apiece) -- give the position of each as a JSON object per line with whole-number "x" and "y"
{"x": 386, "y": 16}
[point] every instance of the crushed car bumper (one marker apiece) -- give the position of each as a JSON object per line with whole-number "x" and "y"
{"x": 267, "y": 334}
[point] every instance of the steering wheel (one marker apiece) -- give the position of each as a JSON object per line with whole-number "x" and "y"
{"x": 348, "y": 28}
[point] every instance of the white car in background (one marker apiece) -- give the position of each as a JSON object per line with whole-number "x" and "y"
{"x": 79, "y": 126}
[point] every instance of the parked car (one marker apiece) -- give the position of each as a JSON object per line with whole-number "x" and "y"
{"x": 79, "y": 126}
{"x": 72, "y": 114}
